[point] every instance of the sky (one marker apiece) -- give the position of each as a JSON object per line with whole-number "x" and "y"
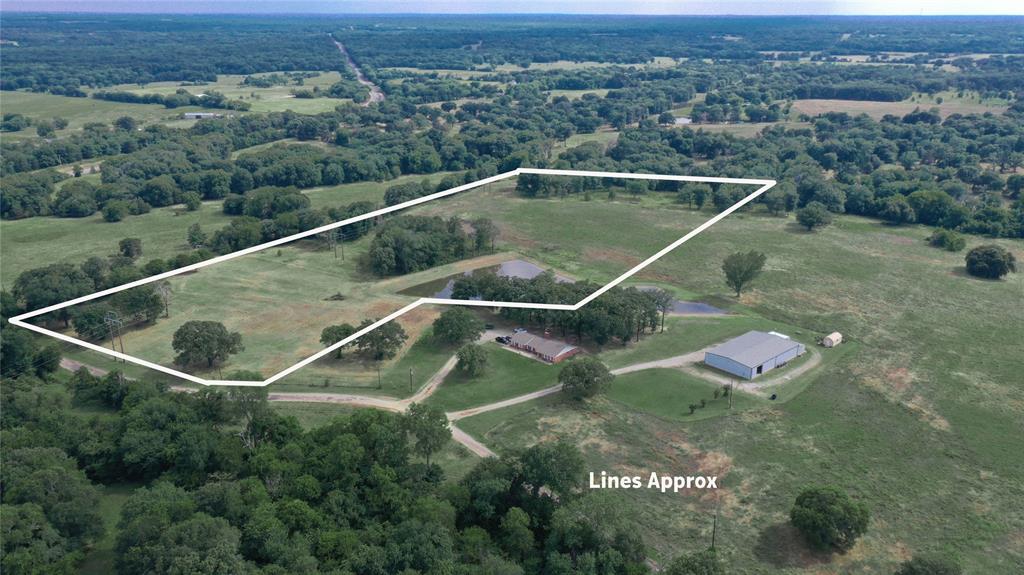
{"x": 663, "y": 7}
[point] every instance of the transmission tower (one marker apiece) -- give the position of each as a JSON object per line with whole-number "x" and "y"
{"x": 114, "y": 327}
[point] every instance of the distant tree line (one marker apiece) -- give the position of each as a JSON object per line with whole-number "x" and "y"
{"x": 180, "y": 97}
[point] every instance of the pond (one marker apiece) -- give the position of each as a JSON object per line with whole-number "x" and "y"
{"x": 688, "y": 307}
{"x": 442, "y": 288}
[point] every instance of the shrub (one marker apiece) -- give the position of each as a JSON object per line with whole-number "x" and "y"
{"x": 814, "y": 215}
{"x": 990, "y": 261}
{"x": 947, "y": 239}
{"x": 585, "y": 378}
{"x": 828, "y": 519}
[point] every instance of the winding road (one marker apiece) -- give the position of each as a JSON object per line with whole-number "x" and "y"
{"x": 685, "y": 362}
{"x": 376, "y": 94}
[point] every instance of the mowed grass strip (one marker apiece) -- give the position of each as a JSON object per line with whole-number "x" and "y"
{"x": 508, "y": 375}
{"x": 668, "y": 393}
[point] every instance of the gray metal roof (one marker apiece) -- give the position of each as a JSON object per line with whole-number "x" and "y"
{"x": 754, "y": 348}
{"x": 543, "y": 346}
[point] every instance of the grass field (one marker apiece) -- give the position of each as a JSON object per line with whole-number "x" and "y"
{"x": 913, "y": 416}
{"x": 34, "y": 242}
{"x": 685, "y": 334}
{"x": 272, "y": 99}
{"x": 907, "y": 419}
{"x": 508, "y": 375}
{"x": 668, "y": 393}
{"x": 605, "y": 137}
{"x": 80, "y": 111}
{"x": 876, "y": 110}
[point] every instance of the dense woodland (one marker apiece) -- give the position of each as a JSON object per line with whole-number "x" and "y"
{"x": 229, "y": 486}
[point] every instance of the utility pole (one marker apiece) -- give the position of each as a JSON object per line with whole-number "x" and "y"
{"x": 732, "y": 391}
{"x": 410, "y": 380}
{"x": 114, "y": 325}
{"x": 378, "y": 375}
{"x": 714, "y": 527}
{"x": 332, "y": 242}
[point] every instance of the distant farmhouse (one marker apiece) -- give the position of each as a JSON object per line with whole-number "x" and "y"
{"x": 549, "y": 350}
{"x": 753, "y": 353}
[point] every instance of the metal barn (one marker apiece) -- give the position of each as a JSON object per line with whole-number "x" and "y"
{"x": 753, "y": 353}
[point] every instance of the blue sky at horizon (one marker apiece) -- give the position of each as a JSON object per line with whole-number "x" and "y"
{"x": 654, "y": 7}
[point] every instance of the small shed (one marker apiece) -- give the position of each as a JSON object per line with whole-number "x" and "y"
{"x": 753, "y": 353}
{"x": 549, "y": 350}
{"x": 833, "y": 339}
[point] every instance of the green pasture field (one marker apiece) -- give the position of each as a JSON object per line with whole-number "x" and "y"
{"x": 876, "y": 110}
{"x": 34, "y": 242}
{"x": 508, "y": 375}
{"x": 273, "y": 99}
{"x": 79, "y": 111}
{"x": 605, "y": 137}
{"x": 39, "y": 241}
{"x": 907, "y": 401}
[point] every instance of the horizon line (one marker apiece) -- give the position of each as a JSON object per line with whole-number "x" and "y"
{"x": 35, "y": 10}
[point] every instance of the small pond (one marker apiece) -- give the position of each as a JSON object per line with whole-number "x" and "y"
{"x": 689, "y": 307}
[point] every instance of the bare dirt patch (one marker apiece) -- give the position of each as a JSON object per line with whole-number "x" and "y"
{"x": 897, "y": 383}
{"x": 628, "y": 259}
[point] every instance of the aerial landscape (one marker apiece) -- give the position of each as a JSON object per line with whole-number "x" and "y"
{"x": 510, "y": 294}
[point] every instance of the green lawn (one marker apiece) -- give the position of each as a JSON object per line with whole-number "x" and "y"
{"x": 508, "y": 375}
{"x": 668, "y": 393}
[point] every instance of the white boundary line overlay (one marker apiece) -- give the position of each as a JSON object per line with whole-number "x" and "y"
{"x": 764, "y": 186}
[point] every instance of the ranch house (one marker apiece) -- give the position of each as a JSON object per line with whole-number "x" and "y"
{"x": 549, "y": 350}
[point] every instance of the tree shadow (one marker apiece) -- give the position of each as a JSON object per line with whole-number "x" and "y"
{"x": 781, "y": 546}
{"x": 796, "y": 228}
{"x": 961, "y": 272}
